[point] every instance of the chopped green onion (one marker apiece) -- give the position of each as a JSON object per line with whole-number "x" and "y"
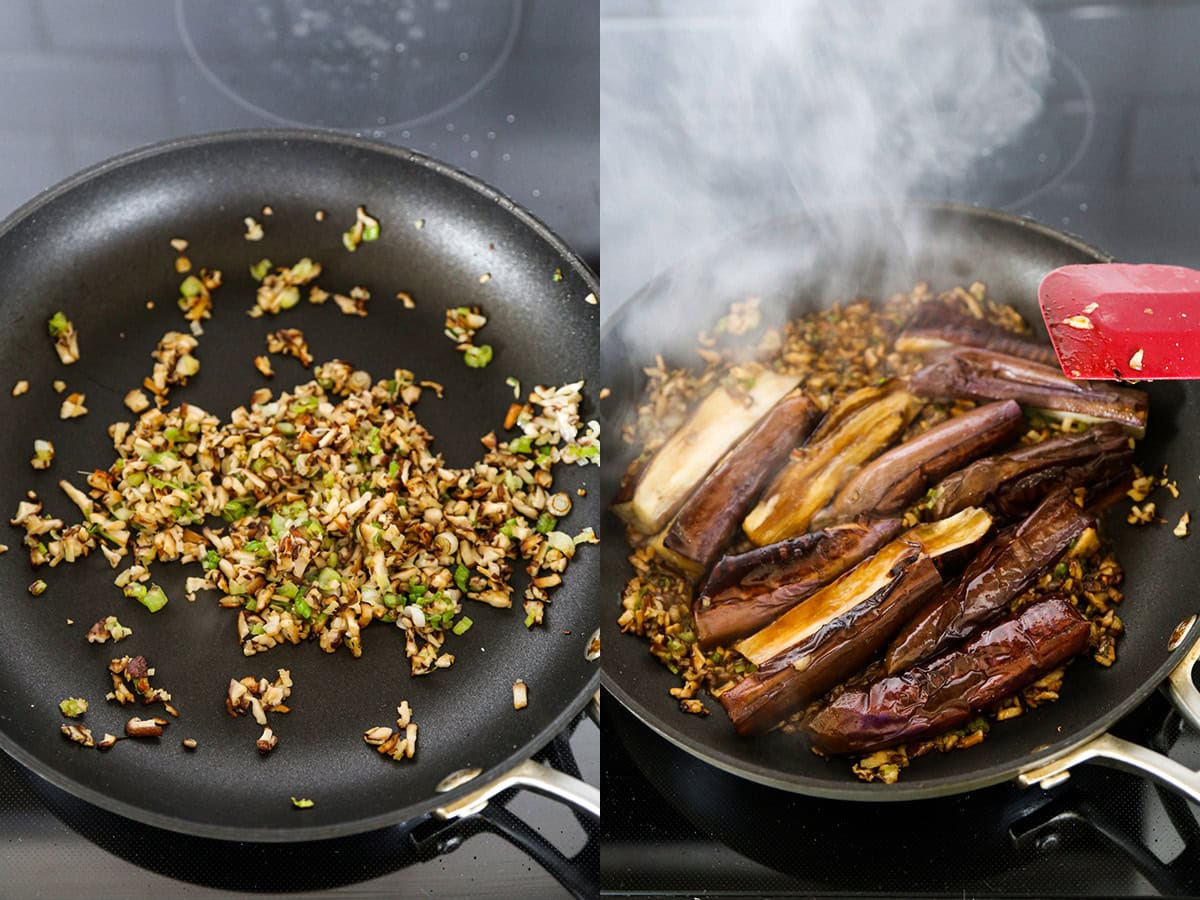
{"x": 303, "y": 270}
{"x": 463, "y": 625}
{"x": 259, "y": 270}
{"x": 288, "y": 589}
{"x": 461, "y": 574}
{"x": 257, "y": 629}
{"x": 523, "y": 444}
{"x": 73, "y": 707}
{"x": 155, "y": 599}
{"x": 543, "y": 453}
{"x": 58, "y": 324}
{"x": 393, "y": 469}
{"x": 478, "y": 357}
{"x": 302, "y": 803}
{"x": 546, "y": 523}
{"x": 191, "y": 287}
{"x": 507, "y": 528}
{"x": 295, "y": 509}
{"x": 529, "y": 620}
{"x": 38, "y": 588}
{"x": 301, "y": 608}
{"x": 588, "y": 451}
{"x": 371, "y": 232}
{"x": 304, "y": 405}
{"x": 328, "y": 579}
{"x": 237, "y": 509}
{"x": 174, "y": 435}
{"x": 558, "y": 275}
{"x": 1060, "y": 571}
{"x": 391, "y": 601}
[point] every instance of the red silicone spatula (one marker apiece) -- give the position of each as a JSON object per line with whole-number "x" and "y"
{"x": 1115, "y": 320}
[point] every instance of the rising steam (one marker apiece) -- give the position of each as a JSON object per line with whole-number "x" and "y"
{"x": 717, "y": 116}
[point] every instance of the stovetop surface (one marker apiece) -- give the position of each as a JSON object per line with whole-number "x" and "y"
{"x": 506, "y": 90}
{"x": 1112, "y": 158}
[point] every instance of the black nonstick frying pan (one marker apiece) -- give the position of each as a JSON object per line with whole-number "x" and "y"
{"x": 859, "y": 256}
{"x": 97, "y": 247}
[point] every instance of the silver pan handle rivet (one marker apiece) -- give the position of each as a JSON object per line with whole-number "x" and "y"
{"x": 457, "y": 779}
{"x": 1180, "y": 633}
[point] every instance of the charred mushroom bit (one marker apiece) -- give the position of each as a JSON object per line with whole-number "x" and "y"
{"x": 918, "y": 491}
{"x": 400, "y": 744}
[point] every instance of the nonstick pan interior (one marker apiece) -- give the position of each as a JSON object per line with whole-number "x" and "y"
{"x": 97, "y": 248}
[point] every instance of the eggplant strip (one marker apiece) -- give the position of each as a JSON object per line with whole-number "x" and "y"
{"x": 1008, "y": 566}
{"x": 1095, "y": 455}
{"x": 839, "y": 649}
{"x": 816, "y": 471}
{"x": 946, "y": 691}
{"x": 747, "y": 592}
{"x": 983, "y": 375}
{"x": 898, "y": 477}
{"x": 863, "y": 581}
{"x": 710, "y": 517}
{"x": 682, "y": 462}
{"x": 936, "y": 326}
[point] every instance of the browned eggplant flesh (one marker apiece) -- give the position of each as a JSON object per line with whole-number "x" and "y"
{"x": 834, "y": 652}
{"x": 743, "y": 593}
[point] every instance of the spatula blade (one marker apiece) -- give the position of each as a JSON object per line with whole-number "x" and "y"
{"x": 1118, "y": 320}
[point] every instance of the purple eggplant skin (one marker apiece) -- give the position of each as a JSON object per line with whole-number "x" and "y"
{"x": 1014, "y": 483}
{"x": 946, "y": 691}
{"x": 711, "y": 516}
{"x": 934, "y": 323}
{"x": 749, "y": 591}
{"x": 1009, "y": 565}
{"x": 901, "y": 475}
{"x": 968, "y": 373}
{"x": 844, "y": 646}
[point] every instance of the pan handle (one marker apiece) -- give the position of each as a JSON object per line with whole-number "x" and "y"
{"x": 1116, "y": 753}
{"x": 529, "y": 774}
{"x": 1182, "y": 689}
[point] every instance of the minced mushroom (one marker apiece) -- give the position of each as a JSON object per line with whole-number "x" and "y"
{"x": 79, "y": 734}
{"x": 400, "y": 744}
{"x": 72, "y": 407}
{"x": 290, "y": 342}
{"x": 520, "y": 694}
{"x": 20, "y": 388}
{"x": 43, "y": 454}
{"x": 137, "y": 401}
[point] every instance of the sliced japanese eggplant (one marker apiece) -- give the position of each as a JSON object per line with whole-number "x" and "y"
{"x": 1009, "y": 565}
{"x": 864, "y": 581}
{"x": 841, "y": 647}
{"x": 899, "y": 476}
{"x": 816, "y": 471}
{"x": 710, "y": 517}
{"x": 744, "y": 593}
{"x": 712, "y": 429}
{"x": 1017, "y": 480}
{"x": 974, "y": 374}
{"x": 946, "y": 691}
{"x": 937, "y": 326}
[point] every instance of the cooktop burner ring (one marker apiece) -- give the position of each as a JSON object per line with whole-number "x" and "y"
{"x": 343, "y": 62}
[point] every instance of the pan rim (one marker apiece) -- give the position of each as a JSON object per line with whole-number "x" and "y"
{"x": 413, "y": 811}
{"x": 853, "y": 790}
